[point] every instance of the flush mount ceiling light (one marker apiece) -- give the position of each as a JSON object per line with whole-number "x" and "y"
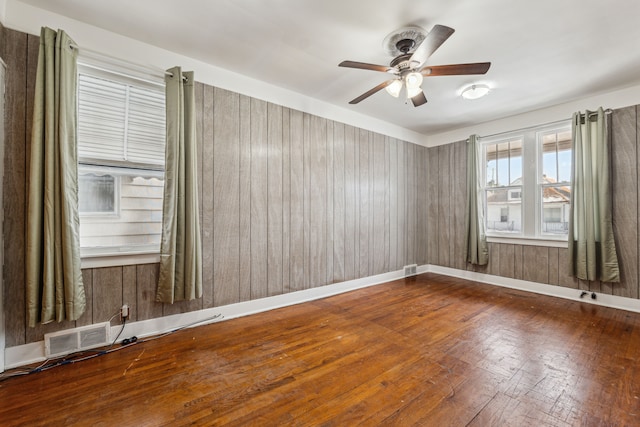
{"x": 475, "y": 91}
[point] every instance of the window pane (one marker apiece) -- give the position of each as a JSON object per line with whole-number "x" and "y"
{"x": 515, "y": 159}
{"x": 504, "y": 209}
{"x": 556, "y": 157}
{"x": 138, "y": 222}
{"x": 555, "y": 209}
{"x": 96, "y": 193}
{"x": 549, "y": 170}
{"x": 564, "y": 165}
{"x": 491, "y": 173}
{"x": 503, "y": 164}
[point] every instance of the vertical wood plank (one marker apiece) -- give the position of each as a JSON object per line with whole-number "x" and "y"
{"x": 226, "y": 203}
{"x": 296, "y": 242}
{"x": 506, "y": 266}
{"x": 245, "y": 198}
{"x": 330, "y": 201}
{"x": 259, "y": 194}
{"x": 107, "y": 293}
{"x": 459, "y": 205}
{"x": 146, "y": 280}
{"x": 129, "y": 284}
{"x": 444, "y": 209}
{"x": 377, "y": 233}
{"x": 536, "y": 264}
{"x": 364, "y": 203}
{"x": 422, "y": 236}
{"x": 493, "y": 266}
{"x": 394, "y": 260}
{"x": 517, "y": 266}
{"x": 410, "y": 186}
{"x": 433, "y": 206}
{"x": 286, "y": 200}
{"x": 402, "y": 205}
{"x": 306, "y": 194}
{"x": 553, "y": 266}
{"x": 14, "y": 190}
{"x": 274, "y": 184}
{"x": 199, "y": 111}
{"x": 452, "y": 205}
{"x": 350, "y": 203}
{"x": 207, "y": 196}
{"x": 339, "y": 203}
{"x": 388, "y": 265}
{"x": 317, "y": 202}
{"x": 624, "y": 197}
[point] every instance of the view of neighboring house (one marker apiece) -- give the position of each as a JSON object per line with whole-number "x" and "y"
{"x": 504, "y": 207}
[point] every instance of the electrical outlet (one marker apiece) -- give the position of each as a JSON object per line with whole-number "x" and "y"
{"x": 124, "y": 311}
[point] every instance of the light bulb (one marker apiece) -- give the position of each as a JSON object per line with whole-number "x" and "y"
{"x": 413, "y": 80}
{"x": 394, "y": 88}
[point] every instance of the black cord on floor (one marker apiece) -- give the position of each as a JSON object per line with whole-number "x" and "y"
{"x": 77, "y": 357}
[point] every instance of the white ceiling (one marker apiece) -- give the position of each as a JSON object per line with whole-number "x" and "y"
{"x": 543, "y": 52}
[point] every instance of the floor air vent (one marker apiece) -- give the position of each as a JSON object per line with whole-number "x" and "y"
{"x": 71, "y": 340}
{"x": 410, "y": 270}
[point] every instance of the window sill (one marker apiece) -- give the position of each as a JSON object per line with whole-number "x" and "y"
{"x": 528, "y": 241}
{"x": 119, "y": 259}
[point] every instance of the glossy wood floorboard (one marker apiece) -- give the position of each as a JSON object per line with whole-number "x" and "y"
{"x": 427, "y": 351}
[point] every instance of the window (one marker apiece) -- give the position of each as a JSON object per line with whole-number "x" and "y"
{"x": 527, "y": 183}
{"x": 121, "y": 138}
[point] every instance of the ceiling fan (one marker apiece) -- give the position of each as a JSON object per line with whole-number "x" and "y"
{"x": 412, "y": 46}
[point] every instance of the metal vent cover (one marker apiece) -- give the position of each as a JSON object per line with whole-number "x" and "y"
{"x": 72, "y": 340}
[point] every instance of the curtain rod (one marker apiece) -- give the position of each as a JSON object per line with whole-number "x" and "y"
{"x": 165, "y": 73}
{"x": 593, "y": 113}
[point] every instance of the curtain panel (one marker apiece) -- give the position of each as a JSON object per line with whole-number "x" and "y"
{"x": 592, "y": 248}
{"x": 477, "y": 248}
{"x": 181, "y": 248}
{"x": 53, "y": 277}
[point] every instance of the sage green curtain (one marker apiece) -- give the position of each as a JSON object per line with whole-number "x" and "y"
{"x": 592, "y": 249}
{"x": 180, "y": 253}
{"x": 54, "y": 281}
{"x": 477, "y": 249}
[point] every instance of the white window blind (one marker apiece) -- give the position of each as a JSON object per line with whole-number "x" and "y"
{"x": 119, "y": 122}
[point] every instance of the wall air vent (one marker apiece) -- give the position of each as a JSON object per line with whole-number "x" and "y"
{"x": 410, "y": 270}
{"x": 72, "y": 340}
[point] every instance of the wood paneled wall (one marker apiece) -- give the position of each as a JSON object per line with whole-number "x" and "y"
{"x": 447, "y": 188}
{"x": 289, "y": 201}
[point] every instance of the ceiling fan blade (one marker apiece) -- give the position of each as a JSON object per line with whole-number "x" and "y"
{"x": 456, "y": 69}
{"x": 372, "y": 91}
{"x": 365, "y": 66}
{"x": 419, "y": 99}
{"x": 438, "y": 35}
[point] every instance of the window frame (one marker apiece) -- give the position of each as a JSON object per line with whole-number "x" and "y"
{"x": 531, "y": 196}
{"x": 106, "y": 256}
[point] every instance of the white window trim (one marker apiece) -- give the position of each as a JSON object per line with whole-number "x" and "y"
{"x": 531, "y": 172}
{"x": 113, "y": 260}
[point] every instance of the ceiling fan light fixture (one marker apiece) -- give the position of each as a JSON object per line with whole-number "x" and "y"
{"x": 413, "y": 80}
{"x": 475, "y": 91}
{"x": 394, "y": 88}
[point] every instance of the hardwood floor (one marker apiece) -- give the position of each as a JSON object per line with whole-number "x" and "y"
{"x": 431, "y": 350}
